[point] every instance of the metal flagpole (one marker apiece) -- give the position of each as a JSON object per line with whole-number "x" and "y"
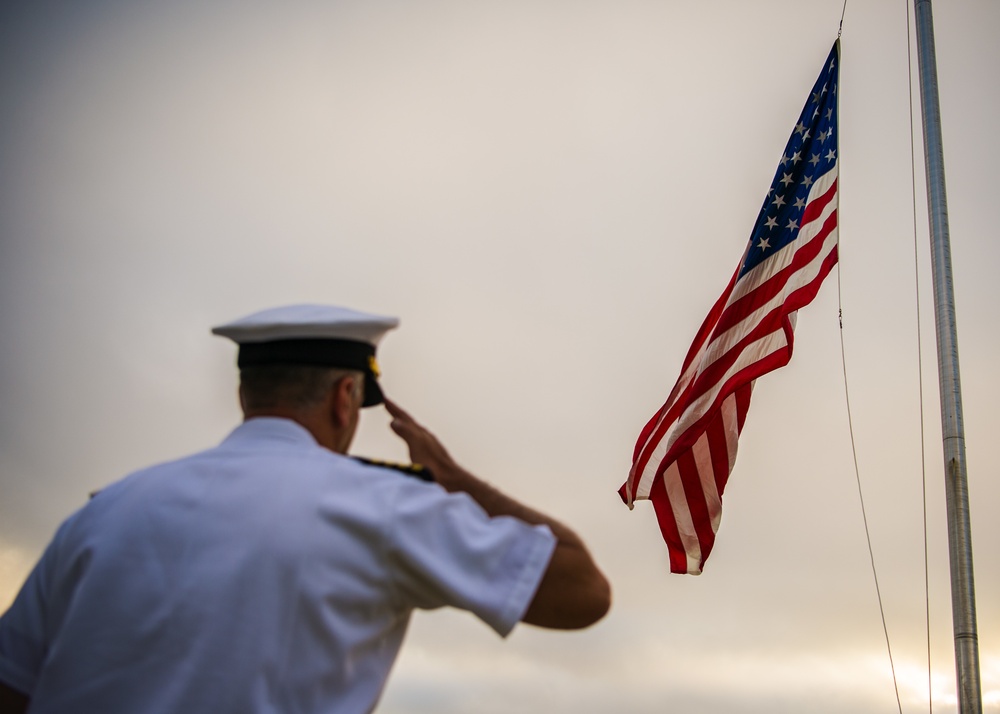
{"x": 953, "y": 430}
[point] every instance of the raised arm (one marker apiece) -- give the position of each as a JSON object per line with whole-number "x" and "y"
{"x": 573, "y": 593}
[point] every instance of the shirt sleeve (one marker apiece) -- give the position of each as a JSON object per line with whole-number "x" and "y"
{"x": 23, "y": 629}
{"x": 444, "y": 549}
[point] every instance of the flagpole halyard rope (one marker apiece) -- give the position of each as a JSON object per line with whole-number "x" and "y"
{"x": 861, "y": 497}
{"x": 850, "y": 428}
{"x": 920, "y": 359}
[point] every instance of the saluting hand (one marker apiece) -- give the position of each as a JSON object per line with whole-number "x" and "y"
{"x": 573, "y": 593}
{"x": 425, "y": 449}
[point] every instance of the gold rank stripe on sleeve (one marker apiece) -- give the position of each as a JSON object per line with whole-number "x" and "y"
{"x": 414, "y": 470}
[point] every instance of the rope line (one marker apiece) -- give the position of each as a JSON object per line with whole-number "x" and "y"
{"x": 861, "y": 497}
{"x": 854, "y": 449}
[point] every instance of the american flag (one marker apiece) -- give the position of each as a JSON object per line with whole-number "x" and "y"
{"x": 685, "y": 453}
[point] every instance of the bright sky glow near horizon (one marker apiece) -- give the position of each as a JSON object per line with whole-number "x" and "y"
{"x": 550, "y": 195}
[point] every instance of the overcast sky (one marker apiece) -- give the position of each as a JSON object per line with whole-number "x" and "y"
{"x": 550, "y": 195}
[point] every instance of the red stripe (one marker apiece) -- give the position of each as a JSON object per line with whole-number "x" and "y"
{"x": 703, "y": 385}
{"x": 772, "y": 286}
{"x": 704, "y": 378}
{"x": 815, "y": 207}
{"x": 741, "y": 378}
{"x": 680, "y": 396}
{"x": 718, "y": 444}
{"x": 805, "y": 294}
{"x": 768, "y": 323}
{"x": 716, "y": 371}
{"x": 668, "y": 527}
{"x": 664, "y": 415}
{"x": 743, "y": 403}
{"x": 754, "y": 370}
{"x": 672, "y": 409}
{"x": 695, "y": 497}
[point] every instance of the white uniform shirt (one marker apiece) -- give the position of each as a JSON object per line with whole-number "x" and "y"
{"x": 265, "y": 575}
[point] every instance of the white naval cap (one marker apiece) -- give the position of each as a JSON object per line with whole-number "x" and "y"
{"x": 324, "y": 335}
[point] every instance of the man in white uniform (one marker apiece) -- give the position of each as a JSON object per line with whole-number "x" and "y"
{"x": 272, "y": 573}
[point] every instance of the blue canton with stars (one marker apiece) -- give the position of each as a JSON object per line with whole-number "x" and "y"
{"x": 811, "y": 152}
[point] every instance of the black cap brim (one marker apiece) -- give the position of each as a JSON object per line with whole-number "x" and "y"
{"x": 373, "y": 392}
{"x": 342, "y": 354}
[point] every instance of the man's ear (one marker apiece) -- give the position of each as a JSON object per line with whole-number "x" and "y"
{"x": 342, "y": 401}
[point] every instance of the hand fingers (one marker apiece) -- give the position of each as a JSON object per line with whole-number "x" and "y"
{"x": 392, "y": 406}
{"x": 402, "y": 423}
{"x": 420, "y": 441}
{"x": 395, "y": 410}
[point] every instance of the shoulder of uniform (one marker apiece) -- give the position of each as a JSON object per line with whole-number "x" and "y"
{"x": 413, "y": 470}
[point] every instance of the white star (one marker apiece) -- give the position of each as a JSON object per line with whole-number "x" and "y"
{"x": 779, "y": 201}
{"x": 806, "y": 135}
{"x": 799, "y": 128}
{"x": 807, "y": 181}
{"x": 800, "y": 202}
{"x": 764, "y": 244}
{"x": 829, "y": 113}
{"x": 792, "y": 224}
{"x": 814, "y": 159}
{"x": 831, "y": 155}
{"x": 784, "y": 159}
{"x": 823, "y": 135}
{"x": 796, "y": 157}
{"x": 771, "y": 222}
{"x": 787, "y": 179}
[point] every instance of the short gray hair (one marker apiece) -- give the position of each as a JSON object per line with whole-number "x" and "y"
{"x": 267, "y": 386}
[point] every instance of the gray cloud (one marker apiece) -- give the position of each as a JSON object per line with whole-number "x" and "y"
{"x": 550, "y": 196}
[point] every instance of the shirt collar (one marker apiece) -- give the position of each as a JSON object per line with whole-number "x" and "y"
{"x": 270, "y": 429}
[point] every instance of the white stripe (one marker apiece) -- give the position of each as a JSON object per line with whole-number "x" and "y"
{"x": 756, "y": 351}
{"x": 685, "y": 379}
{"x": 724, "y": 344}
{"x": 702, "y": 452}
{"x": 709, "y": 352}
{"x": 731, "y": 424}
{"x": 682, "y": 516}
{"x": 752, "y": 280}
{"x": 783, "y": 257}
